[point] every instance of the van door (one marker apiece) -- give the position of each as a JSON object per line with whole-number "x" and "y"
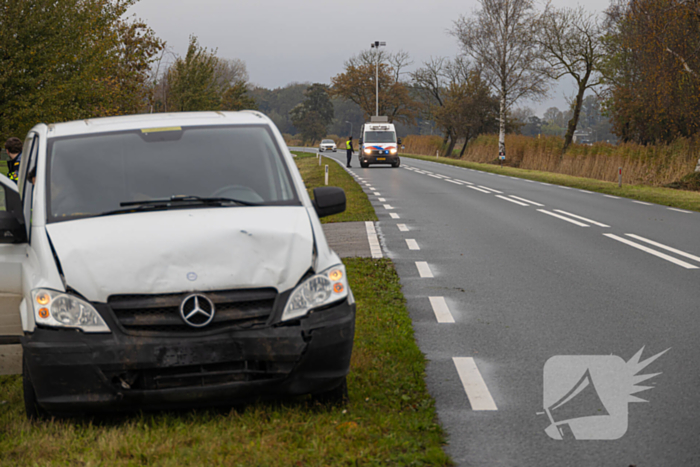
{"x": 13, "y": 252}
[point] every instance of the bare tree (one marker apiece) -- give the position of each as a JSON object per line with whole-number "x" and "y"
{"x": 569, "y": 39}
{"x": 499, "y": 37}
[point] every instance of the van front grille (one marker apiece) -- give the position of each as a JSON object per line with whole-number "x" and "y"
{"x": 161, "y": 313}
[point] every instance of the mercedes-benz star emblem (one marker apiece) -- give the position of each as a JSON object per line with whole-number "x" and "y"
{"x": 197, "y": 310}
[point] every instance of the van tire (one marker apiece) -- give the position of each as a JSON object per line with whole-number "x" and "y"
{"x": 336, "y": 397}
{"x": 396, "y": 164}
{"x": 364, "y": 165}
{"x": 32, "y": 408}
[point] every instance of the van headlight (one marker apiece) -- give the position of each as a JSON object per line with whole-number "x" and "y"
{"x": 61, "y": 310}
{"x": 368, "y": 151}
{"x": 323, "y": 289}
{"x": 392, "y": 151}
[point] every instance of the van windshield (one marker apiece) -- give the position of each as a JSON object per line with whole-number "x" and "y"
{"x": 90, "y": 175}
{"x": 380, "y": 137}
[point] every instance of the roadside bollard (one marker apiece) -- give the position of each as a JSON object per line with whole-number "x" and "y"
{"x": 319, "y": 159}
{"x": 437, "y": 154}
{"x": 326, "y": 175}
{"x": 619, "y": 178}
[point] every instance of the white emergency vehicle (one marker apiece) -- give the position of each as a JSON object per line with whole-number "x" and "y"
{"x": 378, "y": 143}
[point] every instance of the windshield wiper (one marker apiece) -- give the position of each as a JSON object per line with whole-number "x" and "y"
{"x": 187, "y": 199}
{"x": 173, "y": 201}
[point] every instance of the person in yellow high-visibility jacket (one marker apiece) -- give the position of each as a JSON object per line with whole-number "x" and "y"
{"x": 348, "y": 146}
{"x": 13, "y": 146}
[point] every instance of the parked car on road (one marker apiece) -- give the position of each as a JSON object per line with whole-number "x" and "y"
{"x": 327, "y": 145}
{"x": 171, "y": 260}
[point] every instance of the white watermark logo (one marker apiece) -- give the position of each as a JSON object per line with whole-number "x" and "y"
{"x": 586, "y": 396}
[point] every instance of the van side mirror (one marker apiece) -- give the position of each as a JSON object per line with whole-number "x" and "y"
{"x": 11, "y": 226}
{"x": 360, "y": 140}
{"x": 398, "y": 141}
{"x": 329, "y": 200}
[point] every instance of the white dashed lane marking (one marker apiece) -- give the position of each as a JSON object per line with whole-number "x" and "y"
{"x": 580, "y": 224}
{"x": 511, "y": 200}
{"x": 490, "y": 189}
{"x": 642, "y": 202}
{"x": 474, "y": 385}
{"x": 412, "y": 244}
{"x": 452, "y": 181}
{"x": 424, "y": 269}
{"x": 479, "y": 189}
{"x": 394, "y": 215}
{"x": 402, "y": 227}
{"x": 581, "y": 218}
{"x": 441, "y": 310}
{"x": 665, "y": 247}
{"x": 388, "y": 207}
{"x": 464, "y": 181}
{"x": 526, "y": 200}
{"x": 376, "y": 193}
{"x": 381, "y": 200}
{"x": 680, "y": 210}
{"x": 658, "y": 254}
{"x": 611, "y": 196}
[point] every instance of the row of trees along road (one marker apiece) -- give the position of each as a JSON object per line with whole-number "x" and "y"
{"x": 70, "y": 60}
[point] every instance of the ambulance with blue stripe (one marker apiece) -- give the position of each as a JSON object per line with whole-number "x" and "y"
{"x": 378, "y": 143}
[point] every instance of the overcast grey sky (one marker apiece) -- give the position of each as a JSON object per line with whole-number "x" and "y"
{"x": 284, "y": 41}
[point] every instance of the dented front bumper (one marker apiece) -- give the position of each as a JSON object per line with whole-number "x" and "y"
{"x": 74, "y": 372}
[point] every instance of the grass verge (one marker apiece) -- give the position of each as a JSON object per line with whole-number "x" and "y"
{"x": 358, "y": 206}
{"x": 680, "y": 199}
{"x": 390, "y": 419}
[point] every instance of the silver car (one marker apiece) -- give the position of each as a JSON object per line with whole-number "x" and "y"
{"x": 327, "y": 145}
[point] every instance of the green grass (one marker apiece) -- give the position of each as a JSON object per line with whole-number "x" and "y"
{"x": 390, "y": 419}
{"x": 358, "y": 206}
{"x": 680, "y": 199}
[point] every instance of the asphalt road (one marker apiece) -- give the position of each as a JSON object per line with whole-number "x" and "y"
{"x": 524, "y": 271}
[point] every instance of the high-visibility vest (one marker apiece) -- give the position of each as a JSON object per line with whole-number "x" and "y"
{"x": 348, "y": 144}
{"x": 13, "y": 176}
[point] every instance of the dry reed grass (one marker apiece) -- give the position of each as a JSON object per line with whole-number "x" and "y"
{"x": 654, "y": 165}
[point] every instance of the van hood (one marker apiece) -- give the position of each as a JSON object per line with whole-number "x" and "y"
{"x": 184, "y": 250}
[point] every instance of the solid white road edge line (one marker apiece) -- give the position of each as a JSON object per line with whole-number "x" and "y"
{"x": 412, "y": 244}
{"x": 374, "y": 246}
{"x": 474, "y": 385}
{"x": 652, "y": 252}
{"x": 564, "y": 218}
{"x": 582, "y": 218}
{"x": 402, "y": 227}
{"x": 611, "y": 196}
{"x": 424, "y": 269}
{"x": 511, "y": 200}
{"x": 661, "y": 245}
{"x": 642, "y": 202}
{"x": 441, "y": 310}
{"x": 526, "y": 200}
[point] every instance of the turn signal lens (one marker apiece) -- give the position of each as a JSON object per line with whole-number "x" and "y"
{"x": 44, "y": 313}
{"x": 338, "y": 287}
{"x": 335, "y": 275}
{"x": 43, "y": 298}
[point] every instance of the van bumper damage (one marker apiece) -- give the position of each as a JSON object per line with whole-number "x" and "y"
{"x": 75, "y": 372}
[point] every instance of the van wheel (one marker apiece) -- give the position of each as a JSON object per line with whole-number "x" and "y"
{"x": 396, "y": 164}
{"x": 336, "y": 397}
{"x": 364, "y": 165}
{"x": 31, "y": 406}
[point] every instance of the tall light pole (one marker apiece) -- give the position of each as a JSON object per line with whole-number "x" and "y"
{"x": 376, "y": 45}
{"x": 350, "y": 126}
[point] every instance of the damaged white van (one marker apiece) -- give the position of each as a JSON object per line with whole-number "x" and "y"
{"x": 171, "y": 260}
